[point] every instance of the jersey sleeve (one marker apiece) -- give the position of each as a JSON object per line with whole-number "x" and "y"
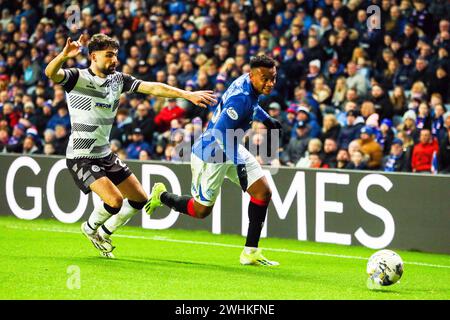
{"x": 70, "y": 79}
{"x": 228, "y": 119}
{"x": 260, "y": 115}
{"x": 130, "y": 83}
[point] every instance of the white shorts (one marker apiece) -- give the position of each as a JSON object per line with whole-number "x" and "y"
{"x": 207, "y": 178}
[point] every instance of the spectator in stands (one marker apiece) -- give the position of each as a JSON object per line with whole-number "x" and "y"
{"x": 330, "y": 150}
{"x": 30, "y": 144}
{"x": 315, "y": 161}
{"x": 275, "y": 112}
{"x": 144, "y": 119}
{"x": 288, "y": 124}
{"x": 356, "y": 80}
{"x": 437, "y": 121}
{"x": 409, "y": 124}
{"x": 422, "y": 154}
{"x": 169, "y": 153}
{"x": 342, "y": 159}
{"x": 418, "y": 93}
{"x": 61, "y": 139}
{"x": 357, "y": 161}
{"x": 297, "y": 145}
{"x": 440, "y": 81}
{"x": 351, "y": 131}
{"x": 144, "y": 155}
{"x": 61, "y": 117}
{"x": 422, "y": 71}
{"x": 167, "y": 114}
{"x": 314, "y": 147}
{"x": 423, "y": 119}
{"x": 370, "y": 148}
{"x": 339, "y": 92}
{"x": 396, "y": 160}
{"x": 49, "y": 136}
{"x": 4, "y": 138}
{"x": 403, "y": 76}
{"x": 385, "y": 135}
{"x": 409, "y": 38}
{"x": 444, "y": 152}
{"x": 367, "y": 109}
{"x": 32, "y": 72}
{"x": 122, "y": 129}
{"x": 43, "y": 115}
{"x": 304, "y": 115}
{"x": 381, "y": 102}
{"x": 10, "y": 115}
{"x": 49, "y": 149}
{"x": 398, "y": 100}
{"x": 331, "y": 128}
{"x": 15, "y": 142}
{"x": 116, "y": 145}
{"x": 138, "y": 144}
{"x": 321, "y": 93}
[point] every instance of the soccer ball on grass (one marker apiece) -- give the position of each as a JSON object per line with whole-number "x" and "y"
{"x": 385, "y": 267}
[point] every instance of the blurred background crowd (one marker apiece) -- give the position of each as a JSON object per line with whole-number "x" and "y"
{"x": 358, "y": 87}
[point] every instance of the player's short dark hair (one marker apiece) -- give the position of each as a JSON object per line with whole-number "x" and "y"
{"x": 262, "y": 61}
{"x": 100, "y": 42}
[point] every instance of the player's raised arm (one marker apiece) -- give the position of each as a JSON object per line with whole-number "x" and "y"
{"x": 71, "y": 50}
{"x": 199, "y": 98}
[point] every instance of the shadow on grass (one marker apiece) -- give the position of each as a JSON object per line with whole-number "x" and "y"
{"x": 150, "y": 263}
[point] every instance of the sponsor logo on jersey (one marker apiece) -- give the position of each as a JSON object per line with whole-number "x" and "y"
{"x": 91, "y": 85}
{"x": 102, "y": 105}
{"x": 232, "y": 113}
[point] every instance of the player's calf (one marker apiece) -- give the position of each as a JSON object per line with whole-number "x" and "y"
{"x": 186, "y": 205}
{"x": 129, "y": 209}
{"x": 183, "y": 204}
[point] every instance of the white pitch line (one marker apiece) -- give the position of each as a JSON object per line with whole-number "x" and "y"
{"x": 217, "y": 244}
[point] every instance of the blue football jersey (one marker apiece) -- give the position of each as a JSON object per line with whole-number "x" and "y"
{"x": 232, "y": 117}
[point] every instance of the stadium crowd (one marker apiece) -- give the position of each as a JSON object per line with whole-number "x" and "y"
{"x": 348, "y": 96}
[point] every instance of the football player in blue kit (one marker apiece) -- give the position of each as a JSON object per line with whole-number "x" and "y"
{"x": 216, "y": 155}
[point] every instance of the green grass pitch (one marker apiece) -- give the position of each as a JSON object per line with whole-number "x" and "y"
{"x": 46, "y": 259}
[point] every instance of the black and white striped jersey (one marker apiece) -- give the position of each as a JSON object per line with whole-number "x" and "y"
{"x": 93, "y": 103}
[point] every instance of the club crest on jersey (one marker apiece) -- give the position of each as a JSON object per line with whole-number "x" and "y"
{"x": 114, "y": 86}
{"x": 102, "y": 105}
{"x": 232, "y": 113}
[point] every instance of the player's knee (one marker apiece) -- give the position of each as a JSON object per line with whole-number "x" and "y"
{"x": 140, "y": 197}
{"x": 203, "y": 212}
{"x": 264, "y": 195}
{"x": 115, "y": 201}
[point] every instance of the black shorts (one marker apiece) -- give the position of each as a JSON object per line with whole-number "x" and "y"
{"x": 85, "y": 171}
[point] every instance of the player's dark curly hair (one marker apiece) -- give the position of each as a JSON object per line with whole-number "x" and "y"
{"x": 262, "y": 61}
{"x": 101, "y": 41}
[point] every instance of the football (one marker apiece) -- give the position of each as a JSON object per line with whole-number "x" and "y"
{"x": 385, "y": 267}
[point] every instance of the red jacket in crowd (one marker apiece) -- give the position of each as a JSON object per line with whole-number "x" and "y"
{"x": 12, "y": 118}
{"x": 166, "y": 115}
{"x": 422, "y": 155}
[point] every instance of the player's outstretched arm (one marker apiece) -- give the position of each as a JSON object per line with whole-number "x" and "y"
{"x": 71, "y": 50}
{"x": 199, "y": 98}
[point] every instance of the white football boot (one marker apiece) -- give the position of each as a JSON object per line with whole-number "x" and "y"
{"x": 256, "y": 258}
{"x": 100, "y": 243}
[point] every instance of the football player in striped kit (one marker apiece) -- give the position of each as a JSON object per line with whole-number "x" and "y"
{"x": 93, "y": 98}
